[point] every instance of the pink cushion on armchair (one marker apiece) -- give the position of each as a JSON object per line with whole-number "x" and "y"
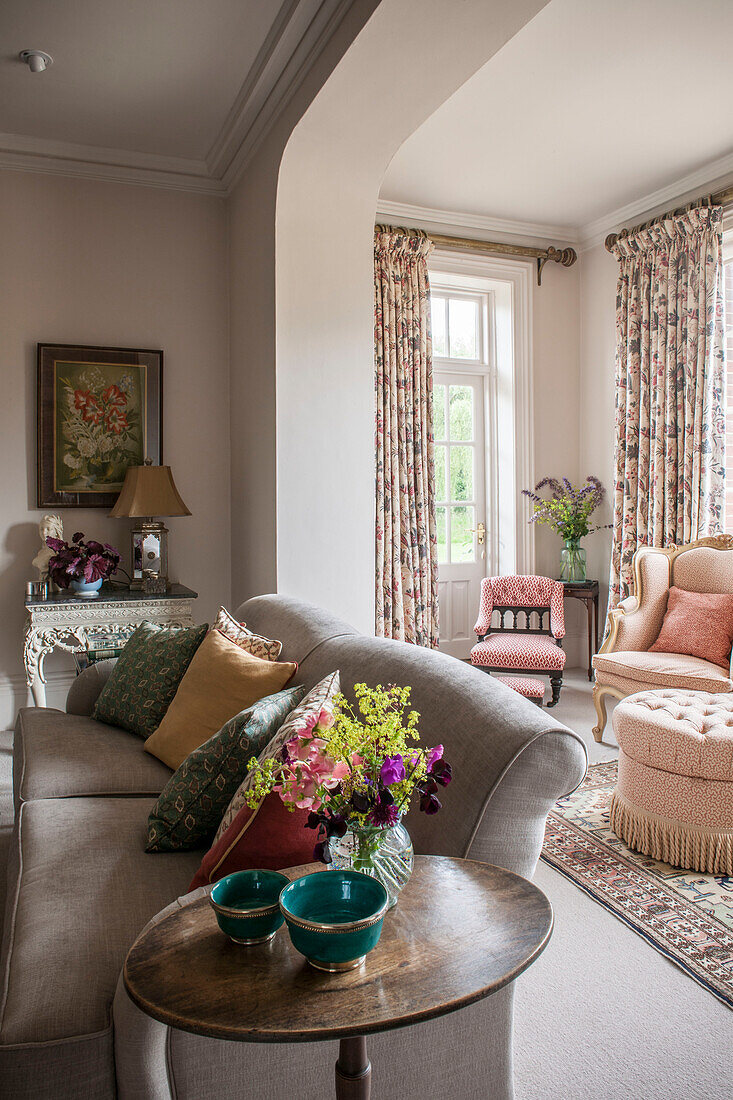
{"x": 699, "y": 624}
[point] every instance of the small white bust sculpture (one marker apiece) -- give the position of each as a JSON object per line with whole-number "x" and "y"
{"x": 52, "y": 526}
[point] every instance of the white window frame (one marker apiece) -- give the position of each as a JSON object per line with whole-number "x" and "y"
{"x": 505, "y": 289}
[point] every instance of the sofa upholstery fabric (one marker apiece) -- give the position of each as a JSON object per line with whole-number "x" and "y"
{"x": 59, "y": 755}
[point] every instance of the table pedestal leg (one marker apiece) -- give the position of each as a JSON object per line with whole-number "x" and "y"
{"x": 353, "y": 1070}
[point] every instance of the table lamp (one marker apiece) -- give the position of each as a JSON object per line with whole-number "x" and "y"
{"x": 149, "y": 491}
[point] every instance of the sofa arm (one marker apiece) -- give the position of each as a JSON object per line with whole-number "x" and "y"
{"x": 512, "y": 829}
{"x": 87, "y": 687}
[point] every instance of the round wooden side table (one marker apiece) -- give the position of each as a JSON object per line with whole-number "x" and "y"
{"x": 460, "y": 931}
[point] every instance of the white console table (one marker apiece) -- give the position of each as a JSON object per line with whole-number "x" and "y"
{"x": 70, "y": 622}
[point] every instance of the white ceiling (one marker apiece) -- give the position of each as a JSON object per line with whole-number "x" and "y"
{"x": 594, "y": 104}
{"x": 149, "y": 76}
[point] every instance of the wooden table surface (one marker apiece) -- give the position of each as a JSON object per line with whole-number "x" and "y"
{"x": 460, "y": 931}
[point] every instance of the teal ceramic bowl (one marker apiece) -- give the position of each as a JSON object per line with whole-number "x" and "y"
{"x": 246, "y": 905}
{"x": 334, "y": 917}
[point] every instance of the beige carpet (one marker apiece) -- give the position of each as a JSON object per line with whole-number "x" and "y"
{"x": 601, "y": 1015}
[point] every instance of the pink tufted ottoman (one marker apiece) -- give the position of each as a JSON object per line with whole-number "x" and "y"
{"x": 674, "y": 797}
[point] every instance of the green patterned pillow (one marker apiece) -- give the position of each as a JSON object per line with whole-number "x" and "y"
{"x": 146, "y": 676}
{"x": 191, "y": 804}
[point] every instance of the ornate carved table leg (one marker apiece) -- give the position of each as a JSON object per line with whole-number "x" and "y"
{"x": 353, "y": 1070}
{"x": 34, "y": 651}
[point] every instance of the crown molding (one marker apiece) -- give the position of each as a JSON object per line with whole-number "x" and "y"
{"x": 711, "y": 177}
{"x": 298, "y": 35}
{"x": 406, "y": 213}
{"x": 28, "y": 154}
{"x": 296, "y": 38}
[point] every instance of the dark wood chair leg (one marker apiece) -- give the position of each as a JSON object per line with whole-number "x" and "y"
{"x": 555, "y": 684}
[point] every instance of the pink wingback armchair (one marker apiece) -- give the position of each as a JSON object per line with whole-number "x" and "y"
{"x": 521, "y": 647}
{"x": 623, "y": 664}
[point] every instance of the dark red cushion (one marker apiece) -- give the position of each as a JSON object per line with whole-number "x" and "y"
{"x": 269, "y": 836}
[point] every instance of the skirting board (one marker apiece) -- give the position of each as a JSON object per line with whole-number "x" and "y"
{"x": 14, "y": 694}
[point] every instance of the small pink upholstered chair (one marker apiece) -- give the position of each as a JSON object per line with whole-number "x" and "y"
{"x": 522, "y": 647}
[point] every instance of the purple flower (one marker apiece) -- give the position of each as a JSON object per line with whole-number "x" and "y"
{"x": 384, "y": 815}
{"x": 433, "y": 755}
{"x": 429, "y": 804}
{"x": 442, "y": 772}
{"x": 78, "y": 536}
{"x": 392, "y": 770}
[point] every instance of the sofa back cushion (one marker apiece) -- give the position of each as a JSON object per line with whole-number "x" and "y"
{"x": 703, "y": 569}
{"x": 145, "y": 678}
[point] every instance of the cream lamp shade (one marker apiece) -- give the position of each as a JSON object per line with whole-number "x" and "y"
{"x": 149, "y": 491}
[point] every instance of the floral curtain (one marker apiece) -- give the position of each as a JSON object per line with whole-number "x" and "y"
{"x": 406, "y": 544}
{"x": 670, "y": 388}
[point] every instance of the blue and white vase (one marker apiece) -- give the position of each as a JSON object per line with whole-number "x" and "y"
{"x": 85, "y": 588}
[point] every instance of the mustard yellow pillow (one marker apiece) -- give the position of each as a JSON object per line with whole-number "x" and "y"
{"x": 221, "y": 680}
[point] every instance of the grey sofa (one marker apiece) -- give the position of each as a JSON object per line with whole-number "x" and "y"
{"x": 81, "y": 887}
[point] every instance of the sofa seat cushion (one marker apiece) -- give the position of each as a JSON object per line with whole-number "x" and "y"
{"x": 84, "y": 891}
{"x": 682, "y": 732}
{"x": 530, "y": 651}
{"x": 670, "y": 670}
{"x": 59, "y": 755}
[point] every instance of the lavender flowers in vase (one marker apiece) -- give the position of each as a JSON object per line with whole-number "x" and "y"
{"x": 568, "y": 511}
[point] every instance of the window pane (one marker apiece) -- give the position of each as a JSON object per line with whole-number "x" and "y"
{"x": 440, "y": 456}
{"x": 461, "y": 412}
{"x": 442, "y": 545}
{"x": 437, "y": 309}
{"x": 439, "y": 412}
{"x": 462, "y": 316}
{"x": 461, "y": 473}
{"x": 461, "y": 535}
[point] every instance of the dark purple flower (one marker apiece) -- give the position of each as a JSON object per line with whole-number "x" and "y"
{"x": 322, "y": 852}
{"x": 94, "y": 547}
{"x": 429, "y": 803}
{"x": 442, "y": 772}
{"x": 384, "y": 815}
{"x": 55, "y": 544}
{"x": 78, "y": 537}
{"x": 392, "y": 770}
{"x": 362, "y": 802}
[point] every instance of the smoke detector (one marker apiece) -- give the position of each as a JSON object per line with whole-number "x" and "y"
{"x": 36, "y": 60}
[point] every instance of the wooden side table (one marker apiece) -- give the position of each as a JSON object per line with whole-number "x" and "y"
{"x": 587, "y": 591}
{"x": 68, "y": 621}
{"x": 432, "y": 959}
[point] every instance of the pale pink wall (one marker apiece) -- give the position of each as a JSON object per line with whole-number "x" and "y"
{"x": 100, "y": 263}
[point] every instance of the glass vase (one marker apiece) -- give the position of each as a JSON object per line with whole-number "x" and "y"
{"x": 385, "y": 854}
{"x": 572, "y": 562}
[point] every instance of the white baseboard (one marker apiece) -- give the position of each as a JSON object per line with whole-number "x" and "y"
{"x": 14, "y": 694}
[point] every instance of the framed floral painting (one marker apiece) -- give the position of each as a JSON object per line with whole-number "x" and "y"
{"x": 100, "y": 410}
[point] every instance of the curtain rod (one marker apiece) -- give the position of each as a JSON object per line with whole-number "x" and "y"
{"x": 564, "y": 256}
{"x": 719, "y": 198}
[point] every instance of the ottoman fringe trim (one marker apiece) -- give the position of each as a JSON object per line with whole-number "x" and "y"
{"x": 689, "y": 846}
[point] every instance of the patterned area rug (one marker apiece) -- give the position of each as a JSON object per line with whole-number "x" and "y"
{"x": 685, "y": 915}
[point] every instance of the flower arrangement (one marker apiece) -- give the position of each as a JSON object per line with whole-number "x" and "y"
{"x": 81, "y": 561}
{"x": 356, "y": 768}
{"x": 568, "y": 509}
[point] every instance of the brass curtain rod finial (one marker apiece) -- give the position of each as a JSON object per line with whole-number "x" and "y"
{"x": 564, "y": 256}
